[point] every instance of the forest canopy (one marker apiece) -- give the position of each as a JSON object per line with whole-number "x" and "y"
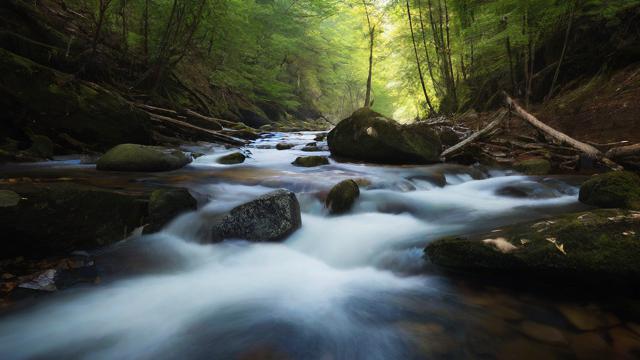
{"x": 313, "y": 57}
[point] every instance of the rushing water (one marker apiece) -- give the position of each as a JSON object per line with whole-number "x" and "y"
{"x": 342, "y": 287}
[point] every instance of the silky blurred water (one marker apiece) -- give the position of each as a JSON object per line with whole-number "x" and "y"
{"x": 341, "y": 287}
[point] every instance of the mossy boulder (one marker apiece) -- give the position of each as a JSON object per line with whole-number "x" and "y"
{"x": 270, "y": 217}
{"x": 166, "y": 204}
{"x": 233, "y": 158}
{"x": 52, "y": 218}
{"x": 41, "y": 146}
{"x": 9, "y": 198}
{"x": 283, "y": 146}
{"x": 369, "y": 136}
{"x": 310, "y": 161}
{"x": 618, "y": 189}
{"x": 50, "y": 102}
{"x": 600, "y": 242}
{"x": 535, "y": 166}
{"x": 342, "y": 196}
{"x": 135, "y": 157}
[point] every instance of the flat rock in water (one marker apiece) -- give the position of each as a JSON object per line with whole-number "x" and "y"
{"x": 271, "y": 217}
{"x": 310, "y": 161}
{"x": 233, "y": 158}
{"x": 134, "y": 157}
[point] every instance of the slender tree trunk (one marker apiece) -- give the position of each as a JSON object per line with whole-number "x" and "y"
{"x": 562, "y": 54}
{"x": 449, "y": 58}
{"x": 415, "y": 50}
{"x": 424, "y": 43}
{"x": 367, "y": 98}
{"x": 145, "y": 31}
{"x": 512, "y": 74}
{"x": 102, "y": 12}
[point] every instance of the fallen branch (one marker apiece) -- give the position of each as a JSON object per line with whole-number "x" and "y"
{"x": 197, "y": 131}
{"x": 589, "y": 150}
{"x": 475, "y": 136}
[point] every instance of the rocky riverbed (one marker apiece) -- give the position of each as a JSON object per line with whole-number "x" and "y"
{"x": 330, "y": 262}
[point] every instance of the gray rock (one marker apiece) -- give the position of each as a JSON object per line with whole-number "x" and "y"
{"x": 233, "y": 158}
{"x": 271, "y": 217}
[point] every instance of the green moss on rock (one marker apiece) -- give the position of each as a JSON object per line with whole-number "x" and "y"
{"x": 52, "y": 218}
{"x": 619, "y": 189}
{"x": 599, "y": 242}
{"x": 310, "y": 161}
{"x": 51, "y": 102}
{"x": 537, "y": 166}
{"x": 367, "y": 135}
{"x": 134, "y": 157}
{"x": 233, "y": 158}
{"x": 342, "y": 196}
{"x": 166, "y": 204}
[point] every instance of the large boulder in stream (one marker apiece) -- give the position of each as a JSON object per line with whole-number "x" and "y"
{"x": 49, "y": 102}
{"x": 51, "y": 218}
{"x": 134, "y": 157}
{"x": 598, "y": 244}
{"x": 617, "y": 189}
{"x": 369, "y": 136}
{"x": 271, "y": 217}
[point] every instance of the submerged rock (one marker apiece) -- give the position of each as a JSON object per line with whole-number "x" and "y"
{"x": 59, "y": 217}
{"x": 618, "y": 189}
{"x": 369, "y": 136}
{"x": 233, "y": 158}
{"x": 342, "y": 196}
{"x": 537, "y": 166}
{"x": 602, "y": 243}
{"x": 310, "y": 161}
{"x": 134, "y": 157}
{"x": 166, "y": 204}
{"x": 271, "y": 217}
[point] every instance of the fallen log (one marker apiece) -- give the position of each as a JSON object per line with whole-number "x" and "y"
{"x": 563, "y": 138}
{"x": 197, "y": 131}
{"x": 475, "y": 136}
{"x": 623, "y": 151}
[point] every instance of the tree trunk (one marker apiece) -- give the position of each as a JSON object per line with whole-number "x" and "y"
{"x": 367, "y": 98}
{"x": 415, "y": 50}
{"x": 562, "y": 54}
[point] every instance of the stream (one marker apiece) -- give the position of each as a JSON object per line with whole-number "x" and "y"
{"x": 342, "y": 287}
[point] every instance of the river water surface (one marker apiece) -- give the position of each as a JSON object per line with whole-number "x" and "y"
{"x": 342, "y": 287}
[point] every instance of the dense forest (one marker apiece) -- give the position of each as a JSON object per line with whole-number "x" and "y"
{"x": 320, "y": 179}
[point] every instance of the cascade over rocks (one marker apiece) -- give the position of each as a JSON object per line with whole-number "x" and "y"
{"x": 271, "y": 217}
{"x": 369, "y": 136}
{"x": 134, "y": 157}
